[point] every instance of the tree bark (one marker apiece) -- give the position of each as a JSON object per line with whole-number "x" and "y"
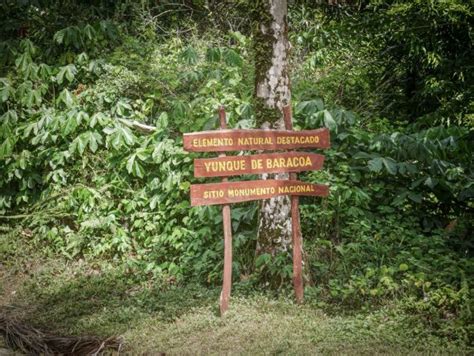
{"x": 272, "y": 93}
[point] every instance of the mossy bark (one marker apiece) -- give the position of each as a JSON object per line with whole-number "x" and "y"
{"x": 272, "y": 93}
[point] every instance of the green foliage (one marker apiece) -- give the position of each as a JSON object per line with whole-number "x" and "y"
{"x": 406, "y": 60}
{"x": 80, "y": 179}
{"x": 99, "y": 187}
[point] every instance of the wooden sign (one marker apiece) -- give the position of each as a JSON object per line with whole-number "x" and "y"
{"x": 227, "y": 192}
{"x": 235, "y": 192}
{"x": 239, "y": 140}
{"x": 258, "y": 164}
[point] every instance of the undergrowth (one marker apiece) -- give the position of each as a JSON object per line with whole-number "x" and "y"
{"x": 80, "y": 183}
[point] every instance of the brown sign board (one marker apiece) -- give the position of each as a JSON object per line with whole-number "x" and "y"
{"x": 235, "y": 192}
{"x": 240, "y": 140}
{"x": 258, "y": 164}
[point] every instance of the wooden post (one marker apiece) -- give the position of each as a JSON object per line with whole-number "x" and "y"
{"x": 295, "y": 226}
{"x": 226, "y": 218}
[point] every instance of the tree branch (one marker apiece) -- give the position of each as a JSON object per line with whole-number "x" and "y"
{"x": 138, "y": 125}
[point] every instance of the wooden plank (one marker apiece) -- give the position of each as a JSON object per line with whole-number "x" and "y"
{"x": 235, "y": 192}
{"x": 239, "y": 140}
{"x": 258, "y": 164}
{"x": 296, "y": 238}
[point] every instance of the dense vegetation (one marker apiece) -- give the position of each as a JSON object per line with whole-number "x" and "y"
{"x": 392, "y": 80}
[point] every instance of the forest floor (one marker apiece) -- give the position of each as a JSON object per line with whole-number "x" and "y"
{"x": 93, "y": 298}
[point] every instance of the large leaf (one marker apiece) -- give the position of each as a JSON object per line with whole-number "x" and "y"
{"x": 190, "y": 55}
{"x": 123, "y": 108}
{"x": 68, "y": 71}
{"x": 71, "y": 123}
{"x": 329, "y": 121}
{"x": 32, "y": 98}
{"x": 375, "y": 164}
{"x": 98, "y": 117}
{"x": 133, "y": 167}
{"x": 6, "y": 148}
{"x": 232, "y": 58}
{"x": 6, "y": 90}
{"x": 213, "y": 54}
{"x": 127, "y": 135}
{"x": 79, "y": 144}
{"x": 310, "y": 107}
{"x": 67, "y": 98}
{"x": 119, "y": 136}
{"x": 390, "y": 165}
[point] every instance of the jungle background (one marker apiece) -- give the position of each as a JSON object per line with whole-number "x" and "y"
{"x": 97, "y": 235}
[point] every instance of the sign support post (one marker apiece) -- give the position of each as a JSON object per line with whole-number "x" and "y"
{"x": 227, "y": 222}
{"x": 295, "y": 226}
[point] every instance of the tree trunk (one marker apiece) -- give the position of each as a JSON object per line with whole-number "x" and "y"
{"x": 272, "y": 93}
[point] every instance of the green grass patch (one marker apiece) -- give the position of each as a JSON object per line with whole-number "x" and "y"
{"x": 95, "y": 298}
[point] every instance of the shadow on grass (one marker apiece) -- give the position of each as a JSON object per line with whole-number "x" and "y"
{"x": 106, "y": 304}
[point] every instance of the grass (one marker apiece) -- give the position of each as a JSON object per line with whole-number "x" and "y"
{"x": 92, "y": 297}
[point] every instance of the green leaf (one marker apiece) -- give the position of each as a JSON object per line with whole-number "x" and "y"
{"x": 82, "y": 116}
{"x": 142, "y": 154}
{"x": 128, "y": 136}
{"x": 390, "y": 165}
{"x": 6, "y": 90}
{"x": 78, "y": 144}
{"x": 67, "y": 98}
{"x": 310, "y": 107}
{"x": 262, "y": 260}
{"x": 362, "y": 155}
{"x": 93, "y": 139}
{"x": 375, "y": 164}
{"x": 6, "y": 148}
{"x": 98, "y": 117}
{"x": 10, "y": 117}
{"x": 82, "y": 58}
{"x": 28, "y": 47}
{"x": 179, "y": 109}
{"x": 118, "y": 136}
{"x": 431, "y": 182}
{"x": 89, "y": 32}
{"x": 162, "y": 122}
{"x": 403, "y": 267}
{"x": 44, "y": 71}
{"x": 122, "y": 107}
{"x": 400, "y": 198}
{"x": 68, "y": 36}
{"x": 117, "y": 140}
{"x": 32, "y": 98}
{"x": 59, "y": 36}
{"x": 213, "y": 54}
{"x": 154, "y": 201}
{"x": 23, "y": 61}
{"x": 232, "y": 58}
{"x": 329, "y": 121}
{"x": 71, "y": 123}
{"x": 190, "y": 55}
{"x": 68, "y": 71}
{"x": 415, "y": 197}
{"x": 133, "y": 167}
{"x": 238, "y": 36}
